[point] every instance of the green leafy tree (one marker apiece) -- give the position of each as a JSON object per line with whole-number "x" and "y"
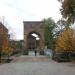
{"x": 68, "y": 10}
{"x": 48, "y": 30}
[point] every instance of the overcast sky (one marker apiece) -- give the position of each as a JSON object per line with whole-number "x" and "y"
{"x": 14, "y": 12}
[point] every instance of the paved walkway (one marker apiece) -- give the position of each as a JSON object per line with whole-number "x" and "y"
{"x": 39, "y": 65}
{"x": 31, "y": 59}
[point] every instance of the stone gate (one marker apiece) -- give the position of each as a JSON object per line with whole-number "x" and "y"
{"x": 30, "y": 42}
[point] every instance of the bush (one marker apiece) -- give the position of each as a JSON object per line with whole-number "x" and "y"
{"x": 62, "y": 57}
{"x": 73, "y": 56}
{"x": 4, "y": 54}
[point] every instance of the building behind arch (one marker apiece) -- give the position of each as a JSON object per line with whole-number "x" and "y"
{"x": 4, "y": 37}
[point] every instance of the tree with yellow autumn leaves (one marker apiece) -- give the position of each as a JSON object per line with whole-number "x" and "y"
{"x": 66, "y": 41}
{"x": 7, "y": 50}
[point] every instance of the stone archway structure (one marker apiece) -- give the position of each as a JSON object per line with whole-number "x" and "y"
{"x": 37, "y": 27}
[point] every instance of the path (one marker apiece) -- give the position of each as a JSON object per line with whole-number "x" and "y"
{"x": 31, "y": 59}
{"x": 39, "y": 65}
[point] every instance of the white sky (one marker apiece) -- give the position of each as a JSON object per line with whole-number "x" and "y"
{"x": 17, "y": 11}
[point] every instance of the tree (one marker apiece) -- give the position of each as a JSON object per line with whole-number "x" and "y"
{"x": 66, "y": 42}
{"x": 60, "y": 26}
{"x": 68, "y": 10}
{"x": 16, "y": 44}
{"x": 48, "y": 30}
{"x": 7, "y": 51}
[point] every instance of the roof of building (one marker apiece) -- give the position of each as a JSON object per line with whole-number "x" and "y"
{"x": 2, "y": 26}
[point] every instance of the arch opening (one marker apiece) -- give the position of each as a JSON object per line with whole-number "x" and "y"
{"x": 33, "y": 41}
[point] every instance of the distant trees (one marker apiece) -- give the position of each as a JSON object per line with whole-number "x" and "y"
{"x": 16, "y": 45}
{"x": 68, "y": 10}
{"x": 48, "y": 30}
